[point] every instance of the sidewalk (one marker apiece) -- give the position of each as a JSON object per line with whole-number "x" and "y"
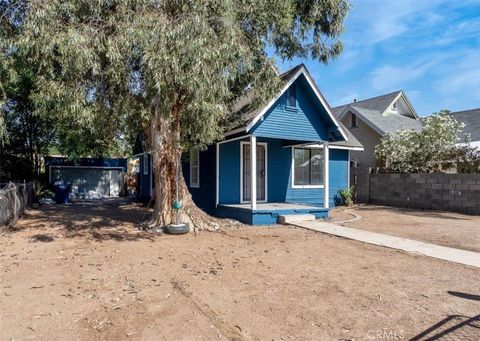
{"x": 431, "y": 250}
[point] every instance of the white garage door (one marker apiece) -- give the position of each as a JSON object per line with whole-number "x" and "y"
{"x": 90, "y": 181}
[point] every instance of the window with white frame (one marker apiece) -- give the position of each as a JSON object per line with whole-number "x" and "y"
{"x": 145, "y": 164}
{"x": 292, "y": 96}
{"x": 308, "y": 167}
{"x": 194, "y": 168}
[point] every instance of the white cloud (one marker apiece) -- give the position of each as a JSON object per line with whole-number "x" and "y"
{"x": 372, "y": 22}
{"x": 388, "y": 78}
{"x": 463, "y": 30}
{"x": 462, "y": 76}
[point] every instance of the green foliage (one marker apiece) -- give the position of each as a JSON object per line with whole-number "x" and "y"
{"x": 106, "y": 67}
{"x": 29, "y": 128}
{"x": 40, "y": 191}
{"x": 347, "y": 195}
{"x": 421, "y": 151}
{"x": 466, "y": 159}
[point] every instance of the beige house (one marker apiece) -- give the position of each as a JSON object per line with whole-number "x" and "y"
{"x": 371, "y": 119}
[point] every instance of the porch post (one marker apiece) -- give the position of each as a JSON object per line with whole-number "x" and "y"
{"x": 326, "y": 183}
{"x": 253, "y": 172}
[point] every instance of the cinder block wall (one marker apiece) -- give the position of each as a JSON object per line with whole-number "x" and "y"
{"x": 360, "y": 178}
{"x": 451, "y": 192}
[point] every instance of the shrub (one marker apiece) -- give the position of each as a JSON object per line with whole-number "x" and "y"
{"x": 40, "y": 191}
{"x": 422, "y": 151}
{"x": 347, "y": 195}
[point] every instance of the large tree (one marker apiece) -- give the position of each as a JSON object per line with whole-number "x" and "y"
{"x": 171, "y": 69}
{"x": 28, "y": 131}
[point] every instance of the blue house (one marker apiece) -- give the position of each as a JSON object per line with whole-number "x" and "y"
{"x": 301, "y": 154}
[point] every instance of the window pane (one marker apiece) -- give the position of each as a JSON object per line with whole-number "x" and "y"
{"x": 292, "y": 96}
{"x": 316, "y": 169}
{"x": 194, "y": 157}
{"x": 194, "y": 175}
{"x": 301, "y": 166}
{"x": 194, "y": 167}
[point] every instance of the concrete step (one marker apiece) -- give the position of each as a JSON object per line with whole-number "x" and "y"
{"x": 294, "y": 218}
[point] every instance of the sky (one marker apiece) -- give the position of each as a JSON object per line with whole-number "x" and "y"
{"x": 428, "y": 48}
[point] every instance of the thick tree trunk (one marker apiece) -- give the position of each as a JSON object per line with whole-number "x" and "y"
{"x": 166, "y": 152}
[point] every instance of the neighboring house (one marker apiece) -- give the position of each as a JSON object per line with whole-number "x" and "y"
{"x": 301, "y": 152}
{"x": 371, "y": 119}
{"x": 471, "y": 131}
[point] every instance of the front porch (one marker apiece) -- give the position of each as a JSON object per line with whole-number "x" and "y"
{"x": 268, "y": 213}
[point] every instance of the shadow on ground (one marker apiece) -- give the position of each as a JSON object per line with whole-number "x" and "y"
{"x": 109, "y": 219}
{"x": 453, "y": 327}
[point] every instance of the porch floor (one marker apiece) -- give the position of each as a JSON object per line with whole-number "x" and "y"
{"x": 267, "y": 213}
{"x": 274, "y": 206}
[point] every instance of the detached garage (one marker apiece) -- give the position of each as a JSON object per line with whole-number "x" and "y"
{"x": 89, "y": 177}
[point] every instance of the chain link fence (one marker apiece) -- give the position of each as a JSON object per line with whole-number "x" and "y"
{"x": 14, "y": 200}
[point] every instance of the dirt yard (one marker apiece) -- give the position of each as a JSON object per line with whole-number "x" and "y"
{"x": 438, "y": 227}
{"x": 83, "y": 272}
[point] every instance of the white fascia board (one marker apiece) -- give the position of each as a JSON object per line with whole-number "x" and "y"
{"x": 409, "y": 104}
{"x": 234, "y": 131}
{"x": 344, "y": 112}
{"x": 358, "y": 149}
{"x": 331, "y": 146}
{"x": 234, "y": 139}
{"x": 315, "y": 90}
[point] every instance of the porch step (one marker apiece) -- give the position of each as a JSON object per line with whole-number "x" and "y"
{"x": 294, "y": 218}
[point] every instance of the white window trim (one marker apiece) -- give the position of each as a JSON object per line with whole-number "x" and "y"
{"x": 242, "y": 143}
{"x": 293, "y": 169}
{"x": 197, "y": 184}
{"x": 145, "y": 164}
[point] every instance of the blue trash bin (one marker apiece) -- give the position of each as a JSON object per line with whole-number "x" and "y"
{"x": 61, "y": 193}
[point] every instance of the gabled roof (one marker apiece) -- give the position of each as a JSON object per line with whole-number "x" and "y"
{"x": 244, "y": 106}
{"x": 372, "y": 110}
{"x": 250, "y": 115}
{"x": 471, "y": 119}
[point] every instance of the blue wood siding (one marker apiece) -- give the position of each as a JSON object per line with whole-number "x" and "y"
{"x": 339, "y": 161}
{"x": 279, "y": 174}
{"x": 309, "y": 122}
{"x": 264, "y": 217}
{"x": 229, "y": 180}
{"x": 280, "y": 177}
{"x": 203, "y": 196}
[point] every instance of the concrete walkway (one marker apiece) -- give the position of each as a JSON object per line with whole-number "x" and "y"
{"x": 436, "y": 251}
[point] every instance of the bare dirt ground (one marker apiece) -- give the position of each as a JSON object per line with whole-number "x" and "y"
{"x": 83, "y": 272}
{"x": 438, "y": 227}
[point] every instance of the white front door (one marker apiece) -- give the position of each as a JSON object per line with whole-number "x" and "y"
{"x": 261, "y": 172}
